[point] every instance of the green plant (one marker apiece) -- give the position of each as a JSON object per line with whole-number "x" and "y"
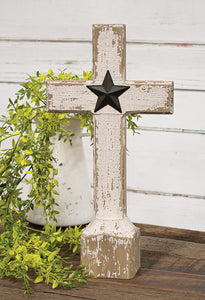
{"x": 27, "y": 157}
{"x": 23, "y": 253}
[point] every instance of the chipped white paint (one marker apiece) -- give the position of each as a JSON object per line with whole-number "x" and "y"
{"x": 109, "y": 164}
{"x": 141, "y": 97}
{"x": 67, "y": 96}
{"x": 113, "y": 227}
{"x": 110, "y": 37}
{"x": 110, "y": 245}
{"x": 148, "y": 97}
{"x": 112, "y": 248}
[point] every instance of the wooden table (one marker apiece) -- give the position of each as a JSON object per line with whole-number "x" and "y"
{"x": 173, "y": 267}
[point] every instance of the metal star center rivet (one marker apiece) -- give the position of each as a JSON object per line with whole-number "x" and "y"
{"x": 108, "y": 93}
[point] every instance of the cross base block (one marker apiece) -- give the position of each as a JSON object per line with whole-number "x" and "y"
{"x": 111, "y": 248}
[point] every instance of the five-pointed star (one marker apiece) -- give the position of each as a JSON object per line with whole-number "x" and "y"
{"x": 108, "y": 93}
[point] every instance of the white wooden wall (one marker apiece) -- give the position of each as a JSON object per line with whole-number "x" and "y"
{"x": 165, "y": 41}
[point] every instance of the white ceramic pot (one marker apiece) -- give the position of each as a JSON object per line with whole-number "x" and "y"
{"x": 75, "y": 199}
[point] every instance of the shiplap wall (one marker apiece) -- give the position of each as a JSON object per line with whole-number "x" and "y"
{"x": 165, "y": 41}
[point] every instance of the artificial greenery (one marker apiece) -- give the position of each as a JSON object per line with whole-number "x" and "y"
{"x": 27, "y": 156}
{"x": 23, "y": 253}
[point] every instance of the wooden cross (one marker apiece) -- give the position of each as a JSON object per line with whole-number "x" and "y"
{"x": 110, "y": 243}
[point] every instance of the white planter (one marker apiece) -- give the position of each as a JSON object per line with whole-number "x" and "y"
{"x": 75, "y": 199}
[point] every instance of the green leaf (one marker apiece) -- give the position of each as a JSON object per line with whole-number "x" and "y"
{"x": 55, "y": 192}
{"x": 28, "y": 152}
{"x": 18, "y": 257}
{"x": 55, "y": 284}
{"x": 82, "y": 281}
{"x": 52, "y": 255}
{"x": 38, "y": 279}
{"x": 44, "y": 244}
{"x": 55, "y": 172}
{"x": 38, "y": 205}
{"x": 42, "y": 77}
{"x": 75, "y": 248}
{"x": 62, "y": 116}
{"x": 56, "y": 182}
{"x": 29, "y": 172}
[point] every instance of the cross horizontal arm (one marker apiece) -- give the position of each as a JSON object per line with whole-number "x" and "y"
{"x": 142, "y": 97}
{"x": 148, "y": 97}
{"x": 70, "y": 96}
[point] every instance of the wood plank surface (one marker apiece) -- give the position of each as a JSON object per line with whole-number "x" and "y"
{"x": 152, "y": 21}
{"x": 144, "y": 61}
{"x": 156, "y": 208}
{"x": 21, "y": 58}
{"x": 173, "y": 233}
{"x": 176, "y": 195}
{"x": 171, "y": 269}
{"x": 178, "y": 159}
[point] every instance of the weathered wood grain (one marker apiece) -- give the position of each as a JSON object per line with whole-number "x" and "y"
{"x": 141, "y": 97}
{"x": 109, "y": 51}
{"x": 148, "y": 97}
{"x": 110, "y": 167}
{"x": 99, "y": 291}
{"x": 69, "y": 96}
{"x": 172, "y": 233}
{"x": 182, "y": 250}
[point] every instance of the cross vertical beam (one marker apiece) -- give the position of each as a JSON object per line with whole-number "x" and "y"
{"x": 109, "y": 53}
{"x": 110, "y": 167}
{"x": 110, "y": 244}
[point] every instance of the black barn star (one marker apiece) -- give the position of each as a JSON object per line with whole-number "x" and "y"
{"x": 108, "y": 93}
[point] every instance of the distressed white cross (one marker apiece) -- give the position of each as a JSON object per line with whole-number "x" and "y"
{"x": 110, "y": 243}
